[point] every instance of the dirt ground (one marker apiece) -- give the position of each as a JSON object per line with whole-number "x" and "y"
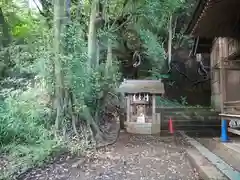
{"x": 133, "y": 157}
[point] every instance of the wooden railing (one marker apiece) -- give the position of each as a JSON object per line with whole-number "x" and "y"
{"x": 232, "y": 107}
{"x": 232, "y": 114}
{"x": 233, "y": 49}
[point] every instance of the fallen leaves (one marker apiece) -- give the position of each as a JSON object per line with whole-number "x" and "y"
{"x": 133, "y": 157}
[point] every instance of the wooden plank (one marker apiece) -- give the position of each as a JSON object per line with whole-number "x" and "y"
{"x": 222, "y": 54}
{"x": 159, "y": 121}
{"x": 229, "y": 64}
{"x": 154, "y": 109}
{"x": 229, "y": 68}
{"x": 131, "y": 107}
{"x": 234, "y": 131}
{"x": 128, "y": 108}
{"x": 233, "y": 146}
{"x": 232, "y": 107}
{"x": 232, "y": 102}
{"x": 225, "y": 54}
{"x": 231, "y": 111}
{"x": 234, "y": 61}
{"x": 234, "y": 55}
{"x": 139, "y": 102}
{"x": 230, "y": 115}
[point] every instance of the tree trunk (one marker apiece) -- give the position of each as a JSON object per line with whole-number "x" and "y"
{"x": 109, "y": 56}
{"x": 170, "y": 41}
{"x": 6, "y": 38}
{"x": 59, "y": 15}
{"x": 79, "y": 8}
{"x": 63, "y": 95}
{"x": 98, "y": 54}
{"x": 92, "y": 36}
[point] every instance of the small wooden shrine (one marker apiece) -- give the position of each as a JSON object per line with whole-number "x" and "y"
{"x": 141, "y": 105}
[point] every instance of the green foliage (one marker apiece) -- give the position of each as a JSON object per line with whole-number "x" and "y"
{"x": 168, "y": 103}
{"x": 24, "y": 115}
{"x": 154, "y": 51}
{"x": 27, "y": 128}
{"x": 152, "y": 46}
{"x": 20, "y": 23}
{"x": 25, "y": 27}
{"x": 24, "y": 129}
{"x": 87, "y": 86}
{"x": 152, "y": 28}
{"x": 157, "y": 12}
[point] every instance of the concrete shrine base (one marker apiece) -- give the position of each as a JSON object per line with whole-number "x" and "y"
{"x": 142, "y": 128}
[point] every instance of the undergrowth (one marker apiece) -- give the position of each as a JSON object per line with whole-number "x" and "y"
{"x": 27, "y": 129}
{"x": 27, "y": 133}
{"x": 24, "y": 131}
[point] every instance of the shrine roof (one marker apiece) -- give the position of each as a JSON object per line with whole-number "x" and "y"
{"x": 141, "y": 86}
{"x": 215, "y": 18}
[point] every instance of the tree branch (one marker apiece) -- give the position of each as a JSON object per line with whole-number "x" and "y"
{"x": 201, "y": 81}
{"x": 194, "y": 83}
{"x": 40, "y": 11}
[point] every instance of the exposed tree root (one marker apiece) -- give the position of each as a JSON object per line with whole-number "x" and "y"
{"x": 111, "y": 138}
{"x": 104, "y": 135}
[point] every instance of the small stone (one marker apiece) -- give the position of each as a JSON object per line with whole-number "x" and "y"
{"x": 78, "y": 163}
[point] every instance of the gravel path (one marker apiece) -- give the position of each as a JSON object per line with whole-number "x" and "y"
{"x": 133, "y": 157}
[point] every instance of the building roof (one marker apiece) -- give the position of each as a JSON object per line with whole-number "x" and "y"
{"x": 215, "y": 18}
{"x": 197, "y": 12}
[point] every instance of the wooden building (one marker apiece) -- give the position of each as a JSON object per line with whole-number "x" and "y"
{"x": 215, "y": 25}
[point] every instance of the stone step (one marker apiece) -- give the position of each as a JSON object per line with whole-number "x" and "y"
{"x": 224, "y": 151}
{"x": 191, "y": 117}
{"x": 185, "y": 108}
{"x": 224, "y": 161}
{"x": 189, "y": 128}
{"x": 205, "y": 169}
{"x": 194, "y": 120}
{"x": 189, "y": 114}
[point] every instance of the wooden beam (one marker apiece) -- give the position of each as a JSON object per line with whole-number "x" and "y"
{"x": 234, "y": 55}
{"x": 234, "y": 131}
{"x": 232, "y": 102}
{"x": 222, "y": 54}
{"x": 154, "y": 108}
{"x": 229, "y": 68}
{"x": 229, "y": 115}
{"x": 128, "y": 108}
{"x": 228, "y": 65}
